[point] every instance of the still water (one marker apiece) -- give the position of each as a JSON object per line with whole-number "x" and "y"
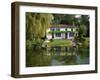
{"x": 57, "y": 56}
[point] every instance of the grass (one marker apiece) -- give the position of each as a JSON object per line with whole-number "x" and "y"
{"x": 60, "y": 42}
{"x": 85, "y": 43}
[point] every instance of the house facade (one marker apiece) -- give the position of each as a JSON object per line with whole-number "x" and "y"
{"x": 61, "y": 31}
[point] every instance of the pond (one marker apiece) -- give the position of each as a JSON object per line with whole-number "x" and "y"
{"x": 57, "y": 56}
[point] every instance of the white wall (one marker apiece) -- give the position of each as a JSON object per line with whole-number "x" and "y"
{"x": 69, "y": 37}
{"x": 48, "y": 36}
{"x": 69, "y": 29}
{"x": 5, "y": 41}
{"x": 62, "y": 29}
{"x": 63, "y": 35}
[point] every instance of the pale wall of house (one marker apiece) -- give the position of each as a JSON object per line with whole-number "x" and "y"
{"x": 69, "y": 37}
{"x": 63, "y": 36}
{"x": 62, "y": 29}
{"x": 74, "y": 29}
{"x": 49, "y": 36}
{"x": 68, "y": 29}
{"x": 47, "y": 30}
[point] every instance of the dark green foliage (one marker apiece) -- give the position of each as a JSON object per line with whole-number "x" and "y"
{"x": 63, "y": 19}
{"x": 57, "y": 18}
{"x": 68, "y": 19}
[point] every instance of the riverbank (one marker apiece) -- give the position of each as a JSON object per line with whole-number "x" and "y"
{"x": 60, "y": 42}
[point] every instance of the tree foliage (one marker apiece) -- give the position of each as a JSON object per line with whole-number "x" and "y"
{"x": 37, "y": 23}
{"x": 57, "y": 18}
{"x": 82, "y": 30}
{"x": 63, "y": 19}
{"x": 68, "y": 19}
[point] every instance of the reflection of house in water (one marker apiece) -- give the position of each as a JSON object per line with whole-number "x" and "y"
{"x": 61, "y": 51}
{"x": 60, "y": 31}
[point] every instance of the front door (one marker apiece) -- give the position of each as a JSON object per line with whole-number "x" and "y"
{"x": 66, "y": 35}
{"x": 52, "y": 35}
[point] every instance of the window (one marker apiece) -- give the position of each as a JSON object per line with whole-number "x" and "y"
{"x": 58, "y": 34}
{"x": 52, "y": 29}
{"x": 57, "y": 29}
{"x": 71, "y": 34}
{"x": 72, "y": 30}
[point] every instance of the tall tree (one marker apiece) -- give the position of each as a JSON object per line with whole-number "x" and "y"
{"x": 57, "y": 18}
{"x": 85, "y": 21}
{"x": 37, "y": 23}
{"x": 68, "y": 19}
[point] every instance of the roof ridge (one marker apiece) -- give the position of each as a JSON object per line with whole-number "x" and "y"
{"x": 62, "y": 26}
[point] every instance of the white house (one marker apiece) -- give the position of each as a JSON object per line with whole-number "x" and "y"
{"x": 60, "y": 31}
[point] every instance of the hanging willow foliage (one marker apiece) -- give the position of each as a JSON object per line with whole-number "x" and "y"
{"x": 37, "y": 23}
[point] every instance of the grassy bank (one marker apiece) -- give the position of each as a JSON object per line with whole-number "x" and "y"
{"x": 85, "y": 43}
{"x": 60, "y": 42}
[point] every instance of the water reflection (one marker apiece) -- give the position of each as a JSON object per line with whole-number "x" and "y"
{"x": 57, "y": 56}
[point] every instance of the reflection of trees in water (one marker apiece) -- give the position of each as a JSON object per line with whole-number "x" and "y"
{"x": 37, "y": 58}
{"x": 67, "y": 55}
{"x": 62, "y": 55}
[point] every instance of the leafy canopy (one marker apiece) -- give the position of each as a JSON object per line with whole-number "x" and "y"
{"x": 37, "y": 23}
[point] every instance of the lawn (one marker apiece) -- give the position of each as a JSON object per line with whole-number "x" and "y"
{"x": 60, "y": 42}
{"x": 85, "y": 43}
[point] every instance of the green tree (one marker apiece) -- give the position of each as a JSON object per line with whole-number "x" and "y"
{"x": 57, "y": 18}
{"x": 82, "y": 29}
{"x": 68, "y": 19}
{"x": 36, "y": 25}
{"x": 85, "y": 21}
{"x": 82, "y": 32}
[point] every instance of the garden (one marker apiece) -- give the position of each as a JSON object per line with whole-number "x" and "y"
{"x": 39, "y": 53}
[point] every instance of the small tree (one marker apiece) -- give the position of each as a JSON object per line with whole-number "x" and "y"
{"x": 80, "y": 34}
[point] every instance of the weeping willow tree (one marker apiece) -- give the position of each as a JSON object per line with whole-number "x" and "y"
{"x": 36, "y": 25}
